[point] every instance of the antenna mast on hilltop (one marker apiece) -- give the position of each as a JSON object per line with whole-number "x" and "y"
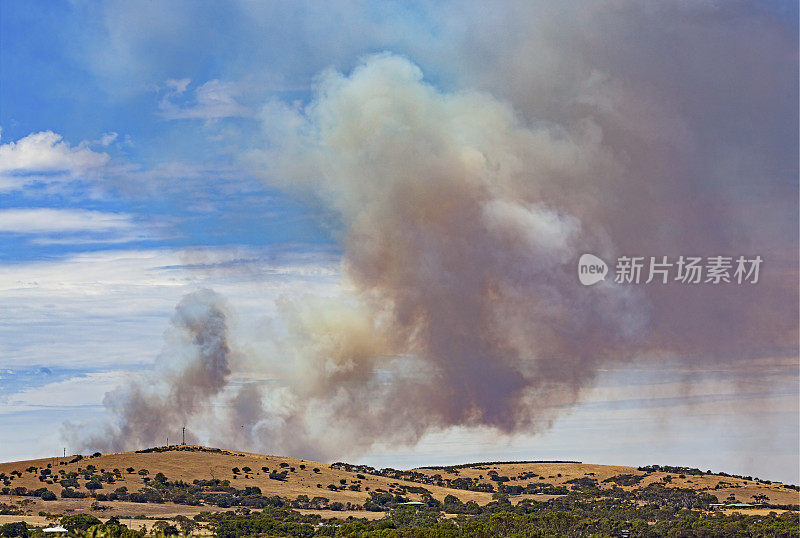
{"x": 183, "y": 442}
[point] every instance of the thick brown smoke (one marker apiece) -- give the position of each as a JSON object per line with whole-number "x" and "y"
{"x": 191, "y": 371}
{"x": 468, "y": 311}
{"x": 462, "y": 228}
{"x": 462, "y": 220}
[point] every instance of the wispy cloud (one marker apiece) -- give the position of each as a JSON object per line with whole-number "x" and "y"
{"x": 50, "y": 220}
{"x": 212, "y": 100}
{"x": 82, "y": 390}
{"x": 64, "y": 312}
{"x": 51, "y": 226}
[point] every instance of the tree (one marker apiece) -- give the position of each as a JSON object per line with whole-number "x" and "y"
{"x": 275, "y": 475}
{"x": 130, "y": 470}
{"x": 165, "y": 528}
{"x": 186, "y": 525}
{"x": 144, "y": 472}
{"x": 18, "y": 528}
{"x": 79, "y": 522}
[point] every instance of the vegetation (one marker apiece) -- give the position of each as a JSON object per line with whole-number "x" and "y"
{"x": 574, "y": 515}
{"x": 631, "y": 504}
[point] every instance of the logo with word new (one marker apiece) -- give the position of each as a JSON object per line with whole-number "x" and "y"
{"x": 591, "y": 269}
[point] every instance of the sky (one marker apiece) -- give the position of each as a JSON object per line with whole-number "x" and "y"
{"x": 388, "y": 200}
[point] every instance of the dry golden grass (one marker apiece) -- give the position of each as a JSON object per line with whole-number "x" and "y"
{"x": 188, "y": 466}
{"x": 561, "y": 473}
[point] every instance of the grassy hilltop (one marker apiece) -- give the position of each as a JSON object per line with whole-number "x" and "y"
{"x": 205, "y": 490}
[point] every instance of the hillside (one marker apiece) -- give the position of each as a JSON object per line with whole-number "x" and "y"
{"x": 166, "y": 482}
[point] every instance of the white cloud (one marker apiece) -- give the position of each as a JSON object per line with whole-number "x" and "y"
{"x": 45, "y": 156}
{"x": 50, "y": 220}
{"x": 108, "y": 138}
{"x": 178, "y": 85}
{"x": 213, "y": 100}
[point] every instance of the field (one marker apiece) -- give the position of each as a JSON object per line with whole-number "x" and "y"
{"x": 139, "y": 488}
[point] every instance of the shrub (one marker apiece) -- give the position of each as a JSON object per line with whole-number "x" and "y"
{"x": 68, "y": 493}
{"x": 275, "y": 475}
{"x": 79, "y": 522}
{"x": 18, "y": 528}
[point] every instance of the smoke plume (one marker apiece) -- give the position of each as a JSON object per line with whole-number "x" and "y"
{"x": 461, "y": 219}
{"x": 191, "y": 371}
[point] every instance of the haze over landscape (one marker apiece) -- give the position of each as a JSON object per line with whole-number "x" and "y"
{"x": 351, "y": 232}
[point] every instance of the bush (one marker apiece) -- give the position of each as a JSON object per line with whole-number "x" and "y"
{"x": 275, "y": 475}
{"x": 165, "y": 528}
{"x": 68, "y": 493}
{"x": 79, "y": 522}
{"x": 18, "y": 528}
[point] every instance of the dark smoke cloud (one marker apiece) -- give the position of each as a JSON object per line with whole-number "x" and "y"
{"x": 191, "y": 371}
{"x": 462, "y": 215}
{"x": 462, "y": 226}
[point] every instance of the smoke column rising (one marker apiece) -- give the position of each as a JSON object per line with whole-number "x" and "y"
{"x": 461, "y": 219}
{"x": 191, "y": 371}
{"x": 467, "y": 310}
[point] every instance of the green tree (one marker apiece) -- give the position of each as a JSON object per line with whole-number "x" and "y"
{"x": 18, "y": 528}
{"x": 79, "y": 522}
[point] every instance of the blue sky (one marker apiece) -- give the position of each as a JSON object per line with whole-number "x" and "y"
{"x": 149, "y": 149}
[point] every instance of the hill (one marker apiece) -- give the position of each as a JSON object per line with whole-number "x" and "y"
{"x": 167, "y": 482}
